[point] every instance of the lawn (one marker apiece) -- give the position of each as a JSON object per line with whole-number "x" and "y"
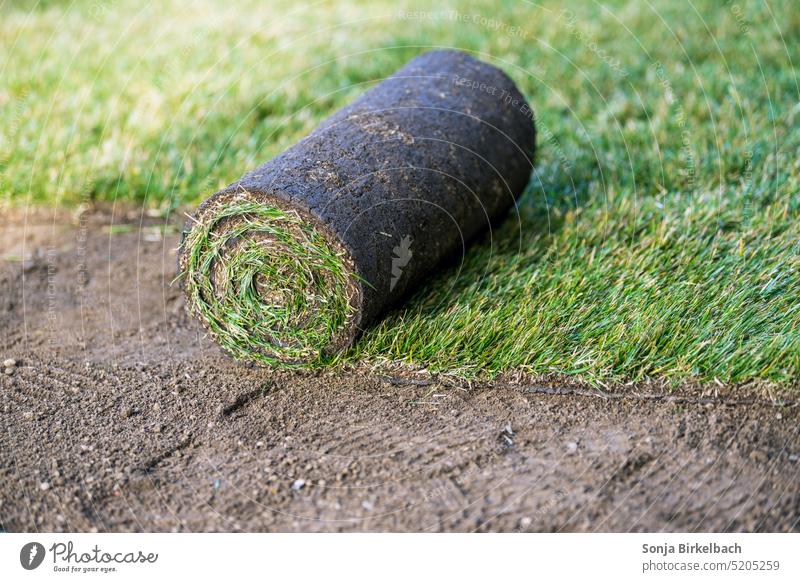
{"x": 659, "y": 235}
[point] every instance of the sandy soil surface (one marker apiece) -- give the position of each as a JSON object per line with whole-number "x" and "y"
{"x": 120, "y": 416}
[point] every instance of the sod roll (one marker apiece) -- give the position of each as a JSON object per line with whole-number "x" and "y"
{"x": 287, "y": 265}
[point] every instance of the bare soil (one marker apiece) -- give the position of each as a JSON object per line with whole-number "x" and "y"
{"x": 121, "y": 416}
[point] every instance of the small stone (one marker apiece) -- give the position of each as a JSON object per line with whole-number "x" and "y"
{"x": 9, "y": 371}
{"x": 260, "y": 444}
{"x": 779, "y": 416}
{"x": 572, "y": 447}
{"x": 525, "y": 522}
{"x": 298, "y": 484}
{"x": 367, "y": 505}
{"x": 27, "y": 415}
{"x": 9, "y": 363}
{"x": 759, "y": 456}
{"x": 44, "y": 485}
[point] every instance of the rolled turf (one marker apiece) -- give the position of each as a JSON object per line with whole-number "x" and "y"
{"x": 287, "y": 265}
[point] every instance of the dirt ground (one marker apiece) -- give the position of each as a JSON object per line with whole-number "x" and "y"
{"x": 121, "y": 416}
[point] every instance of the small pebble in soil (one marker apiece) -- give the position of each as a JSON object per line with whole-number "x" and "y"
{"x": 367, "y": 505}
{"x": 44, "y": 485}
{"x": 572, "y": 447}
{"x": 9, "y": 371}
{"x": 298, "y": 484}
{"x": 507, "y": 436}
{"x": 9, "y": 362}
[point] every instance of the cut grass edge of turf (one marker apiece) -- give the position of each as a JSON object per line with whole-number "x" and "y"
{"x": 675, "y": 391}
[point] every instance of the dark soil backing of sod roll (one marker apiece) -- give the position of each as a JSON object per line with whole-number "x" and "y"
{"x": 365, "y": 208}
